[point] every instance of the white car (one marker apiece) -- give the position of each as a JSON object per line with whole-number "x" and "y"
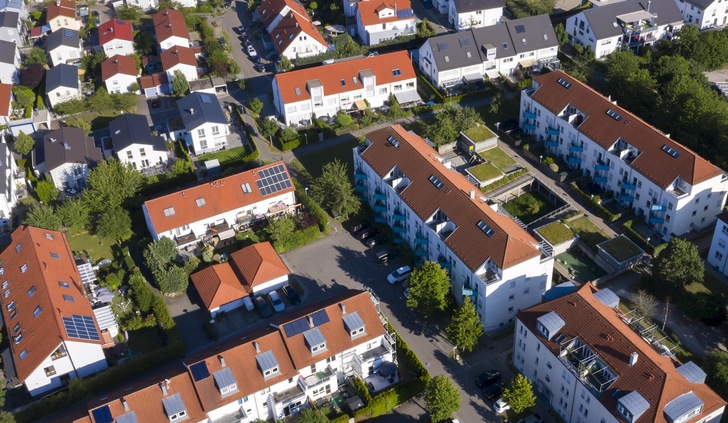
{"x": 399, "y": 275}
{"x": 276, "y": 301}
{"x": 501, "y": 406}
{"x": 251, "y": 51}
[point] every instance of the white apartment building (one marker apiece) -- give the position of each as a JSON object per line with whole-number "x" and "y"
{"x": 342, "y": 86}
{"x": 467, "y": 14}
{"x": 450, "y": 60}
{"x": 625, "y": 24}
{"x": 8, "y": 185}
{"x": 705, "y": 14}
{"x": 718, "y": 256}
{"x": 436, "y": 211}
{"x": 378, "y": 21}
{"x": 228, "y": 203}
{"x": 673, "y": 189}
{"x": 590, "y": 365}
{"x": 206, "y": 124}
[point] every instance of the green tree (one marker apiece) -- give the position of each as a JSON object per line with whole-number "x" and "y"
{"x": 345, "y": 46}
{"x": 161, "y": 313}
{"x": 6, "y": 417}
{"x": 429, "y": 285}
{"x": 524, "y": 8}
{"x": 256, "y": 105}
{"x": 131, "y": 13}
{"x": 465, "y": 328}
{"x": 267, "y": 127}
{"x": 207, "y": 254}
{"x": 425, "y": 29}
{"x": 35, "y": 55}
{"x": 160, "y": 253}
{"x": 281, "y": 230}
{"x": 442, "y": 398}
{"x": 242, "y": 84}
{"x": 288, "y": 135}
{"x": 465, "y": 118}
{"x": 180, "y": 86}
{"x": 172, "y": 280}
{"x": 679, "y": 264}
{"x": 495, "y": 103}
{"x": 234, "y": 67}
{"x": 561, "y": 34}
{"x": 23, "y": 144}
{"x": 111, "y": 183}
{"x": 395, "y": 109}
{"x": 630, "y": 84}
{"x": 519, "y": 394}
{"x": 24, "y": 97}
{"x": 309, "y": 415}
{"x": 74, "y": 213}
{"x": 333, "y": 190}
{"x": 716, "y": 366}
{"x": 79, "y": 123}
{"x": 285, "y": 64}
{"x": 46, "y": 190}
{"x": 442, "y": 130}
{"x": 43, "y": 216}
{"x": 114, "y": 223}
{"x": 141, "y": 292}
{"x": 344, "y": 120}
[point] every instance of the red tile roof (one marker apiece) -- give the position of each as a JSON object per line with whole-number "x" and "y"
{"x": 290, "y": 28}
{"x": 368, "y": 11}
{"x": 118, "y": 64}
{"x": 507, "y": 246}
{"x": 153, "y": 80}
{"x": 220, "y": 196}
{"x": 35, "y": 250}
{"x": 5, "y": 97}
{"x": 601, "y": 328}
{"x": 170, "y": 23}
{"x": 115, "y": 29}
{"x": 218, "y": 285}
{"x": 59, "y": 8}
{"x": 330, "y": 76}
{"x": 257, "y": 264}
{"x": 178, "y": 55}
{"x": 653, "y": 162}
{"x": 269, "y": 9}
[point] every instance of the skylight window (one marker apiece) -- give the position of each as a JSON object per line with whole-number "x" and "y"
{"x": 246, "y": 188}
{"x": 343, "y": 82}
{"x": 49, "y": 236}
{"x": 297, "y": 90}
{"x": 485, "y": 228}
{"x": 614, "y": 115}
{"x": 32, "y": 291}
{"x": 18, "y": 248}
{"x": 69, "y": 298}
{"x": 436, "y": 182}
{"x": 396, "y": 72}
{"x": 55, "y": 255}
{"x": 564, "y": 83}
{"x": 63, "y": 284}
{"x": 200, "y": 202}
{"x": 168, "y": 212}
{"x": 355, "y": 80}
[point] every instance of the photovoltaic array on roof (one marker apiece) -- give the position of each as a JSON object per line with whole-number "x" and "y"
{"x": 102, "y": 415}
{"x": 614, "y": 115}
{"x": 394, "y": 141}
{"x": 405, "y": 13}
{"x": 301, "y": 325}
{"x": 81, "y": 327}
{"x": 273, "y": 179}
{"x": 564, "y": 83}
{"x": 199, "y": 371}
{"x": 520, "y": 29}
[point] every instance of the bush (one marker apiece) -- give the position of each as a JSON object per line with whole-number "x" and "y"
{"x": 299, "y": 238}
{"x": 314, "y": 209}
{"x": 636, "y": 237}
{"x": 595, "y": 207}
{"x": 504, "y": 180}
{"x": 161, "y": 313}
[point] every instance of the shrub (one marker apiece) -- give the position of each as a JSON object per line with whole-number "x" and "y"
{"x": 161, "y": 313}
{"x": 299, "y": 238}
{"x": 595, "y": 208}
{"x": 314, "y": 209}
{"x": 637, "y": 238}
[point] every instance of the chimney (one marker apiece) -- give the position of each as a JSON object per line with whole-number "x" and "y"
{"x": 310, "y": 321}
{"x": 633, "y": 359}
{"x": 222, "y": 360}
{"x": 164, "y": 389}
{"x": 192, "y": 110}
{"x": 343, "y": 308}
{"x": 125, "y": 404}
{"x": 472, "y": 194}
{"x": 257, "y": 347}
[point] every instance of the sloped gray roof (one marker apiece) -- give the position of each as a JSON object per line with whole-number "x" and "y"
{"x": 7, "y": 52}
{"x": 682, "y": 405}
{"x": 607, "y": 297}
{"x": 9, "y": 19}
{"x": 498, "y": 36}
{"x": 62, "y": 37}
{"x": 69, "y": 145}
{"x": 635, "y": 403}
{"x": 603, "y": 19}
{"x": 454, "y": 51}
{"x": 532, "y": 33}
{"x": 62, "y": 75}
{"x": 200, "y": 108}
{"x": 130, "y": 129}
{"x": 692, "y": 372}
{"x": 465, "y": 6}
{"x": 552, "y": 322}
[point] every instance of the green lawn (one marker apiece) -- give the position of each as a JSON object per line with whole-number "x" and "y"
{"x": 587, "y": 231}
{"x": 314, "y": 161}
{"x": 507, "y": 110}
{"x": 485, "y": 172}
{"x": 529, "y": 207}
{"x": 224, "y": 156}
{"x": 98, "y": 248}
{"x": 498, "y": 158}
{"x": 479, "y": 133}
{"x": 556, "y": 233}
{"x": 621, "y": 248}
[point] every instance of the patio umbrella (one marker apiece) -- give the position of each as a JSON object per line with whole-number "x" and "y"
{"x": 387, "y": 369}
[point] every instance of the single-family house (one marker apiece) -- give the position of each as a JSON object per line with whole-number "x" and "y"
{"x": 154, "y": 4}
{"x": 178, "y": 58}
{"x": 705, "y": 14}
{"x": 467, "y": 14}
{"x": 62, "y": 14}
{"x": 155, "y": 84}
{"x": 12, "y": 28}
{"x": 627, "y": 24}
{"x": 64, "y": 46}
{"x": 134, "y": 143}
{"x": 170, "y": 29}
{"x": 8, "y": 185}
{"x": 347, "y": 85}
{"x": 67, "y": 154}
{"x": 62, "y": 84}
{"x": 383, "y": 20}
{"x": 118, "y": 73}
{"x": 9, "y": 62}
{"x": 212, "y": 208}
{"x": 272, "y": 11}
{"x": 295, "y": 36}
{"x": 206, "y": 124}
{"x": 54, "y": 335}
{"x": 6, "y": 103}
{"x": 115, "y": 37}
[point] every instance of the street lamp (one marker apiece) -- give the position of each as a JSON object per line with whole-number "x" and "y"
{"x": 305, "y": 134}
{"x": 539, "y": 159}
{"x": 306, "y": 189}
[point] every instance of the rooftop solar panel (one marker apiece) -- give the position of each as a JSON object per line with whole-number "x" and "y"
{"x": 272, "y": 180}
{"x": 103, "y": 415}
{"x": 199, "y": 371}
{"x": 81, "y": 327}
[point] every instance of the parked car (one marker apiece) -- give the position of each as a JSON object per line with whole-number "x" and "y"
{"x": 291, "y": 294}
{"x": 367, "y": 233}
{"x": 384, "y": 256}
{"x": 263, "y": 308}
{"x": 488, "y": 378}
{"x": 399, "y": 275}
{"x": 532, "y": 418}
{"x": 500, "y": 406}
{"x": 277, "y": 301}
{"x": 377, "y": 240}
{"x": 259, "y": 67}
{"x": 360, "y": 226}
{"x": 251, "y": 51}
{"x": 494, "y": 391}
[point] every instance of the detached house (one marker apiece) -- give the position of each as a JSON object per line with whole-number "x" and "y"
{"x": 64, "y": 46}
{"x": 134, "y": 143}
{"x": 182, "y": 59}
{"x": 703, "y": 13}
{"x": 155, "y": 84}
{"x": 62, "y": 14}
{"x": 467, "y": 14}
{"x": 295, "y": 36}
{"x": 9, "y": 62}
{"x": 12, "y": 28}
{"x": 342, "y": 86}
{"x": 67, "y": 154}
{"x": 170, "y": 29}
{"x": 62, "y": 84}
{"x": 115, "y": 37}
{"x": 154, "y": 4}
{"x": 212, "y": 208}
{"x": 272, "y": 11}
{"x": 8, "y": 184}
{"x": 205, "y": 122}
{"x": 118, "y": 73}
{"x": 383, "y": 20}
{"x": 6, "y": 103}
{"x": 54, "y": 334}
{"x": 627, "y": 24}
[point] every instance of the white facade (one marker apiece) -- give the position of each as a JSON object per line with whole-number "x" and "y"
{"x": 69, "y": 175}
{"x": 8, "y": 196}
{"x": 303, "y": 45}
{"x": 190, "y": 71}
{"x": 379, "y": 32}
{"x": 718, "y": 254}
{"x": 118, "y": 46}
{"x": 141, "y": 156}
{"x": 174, "y": 41}
{"x": 76, "y": 359}
{"x": 207, "y": 137}
{"x": 9, "y": 71}
{"x": 714, "y": 15}
{"x": 61, "y": 94}
{"x": 271, "y": 285}
{"x": 154, "y": 4}
{"x": 120, "y": 83}
{"x": 64, "y": 54}
{"x": 475, "y": 19}
{"x": 65, "y": 22}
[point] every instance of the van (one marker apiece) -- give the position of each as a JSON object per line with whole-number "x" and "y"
{"x": 399, "y": 275}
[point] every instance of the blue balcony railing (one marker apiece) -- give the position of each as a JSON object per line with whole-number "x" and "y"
{"x": 629, "y": 187}
{"x": 398, "y": 215}
{"x": 626, "y": 198}
{"x": 529, "y": 115}
{"x": 380, "y": 195}
{"x": 422, "y": 251}
{"x": 602, "y": 167}
{"x": 576, "y": 149}
{"x": 399, "y": 228}
{"x": 552, "y": 144}
{"x": 360, "y": 187}
{"x": 380, "y": 218}
{"x": 380, "y": 206}
{"x": 573, "y": 161}
{"x": 658, "y": 208}
{"x": 600, "y": 179}
{"x": 552, "y": 131}
{"x": 529, "y": 127}
{"x": 360, "y": 175}
{"x": 657, "y": 220}
{"x": 421, "y": 239}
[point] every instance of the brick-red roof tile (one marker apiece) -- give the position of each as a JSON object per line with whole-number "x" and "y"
{"x": 257, "y": 264}
{"x": 218, "y": 285}
{"x": 115, "y": 29}
{"x": 170, "y": 23}
{"x": 118, "y": 64}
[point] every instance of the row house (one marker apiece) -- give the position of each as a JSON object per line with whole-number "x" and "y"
{"x": 54, "y": 335}
{"x": 119, "y": 73}
{"x": 132, "y": 143}
{"x": 291, "y": 29}
{"x": 9, "y": 63}
{"x": 67, "y": 154}
{"x": 342, "y": 86}
{"x": 673, "y": 189}
{"x": 12, "y": 28}
{"x": 170, "y": 29}
{"x": 116, "y": 38}
{"x": 468, "y": 14}
{"x": 470, "y": 56}
{"x": 270, "y": 374}
{"x": 626, "y": 24}
{"x": 233, "y": 202}
{"x": 64, "y": 46}
{"x": 9, "y": 182}
{"x": 62, "y": 84}
{"x": 380, "y": 21}
{"x": 591, "y": 362}
{"x": 206, "y": 124}
{"x": 705, "y": 14}
{"x": 443, "y": 218}
{"x": 61, "y": 14}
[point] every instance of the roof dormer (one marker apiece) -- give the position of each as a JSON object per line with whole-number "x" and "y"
{"x": 549, "y": 324}
{"x": 174, "y": 407}
{"x": 683, "y": 408}
{"x": 315, "y": 341}
{"x": 267, "y": 363}
{"x": 354, "y": 324}
{"x": 225, "y": 381}
{"x": 632, "y": 406}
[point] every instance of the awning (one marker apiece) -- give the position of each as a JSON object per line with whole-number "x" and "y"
{"x": 492, "y": 74}
{"x": 407, "y": 97}
{"x": 225, "y": 234}
{"x": 527, "y": 63}
{"x": 360, "y": 105}
{"x": 473, "y": 77}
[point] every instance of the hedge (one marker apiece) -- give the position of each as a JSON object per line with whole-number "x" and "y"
{"x": 254, "y": 153}
{"x": 504, "y": 180}
{"x": 637, "y": 238}
{"x": 299, "y": 238}
{"x": 344, "y": 418}
{"x": 428, "y": 87}
{"x": 290, "y": 145}
{"x": 595, "y": 207}
{"x": 314, "y": 209}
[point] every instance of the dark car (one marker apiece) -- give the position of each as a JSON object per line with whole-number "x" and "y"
{"x": 366, "y": 234}
{"x": 493, "y": 391}
{"x": 360, "y": 226}
{"x": 488, "y": 378}
{"x": 374, "y": 241}
{"x": 384, "y": 256}
{"x": 291, "y": 294}
{"x": 155, "y": 104}
{"x": 263, "y": 307}
{"x": 508, "y": 125}
{"x": 259, "y": 67}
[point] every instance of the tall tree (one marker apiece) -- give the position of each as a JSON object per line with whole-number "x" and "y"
{"x": 160, "y": 253}
{"x": 23, "y": 144}
{"x": 31, "y": 75}
{"x": 256, "y": 105}
{"x": 442, "y": 398}
{"x": 679, "y": 263}
{"x": 35, "y": 55}
{"x": 333, "y": 190}
{"x": 111, "y": 183}
{"x": 114, "y": 223}
{"x": 161, "y": 313}
{"x": 629, "y": 83}
{"x": 180, "y": 85}
{"x": 172, "y": 280}
{"x": 267, "y": 127}
{"x": 644, "y": 303}
{"x": 519, "y": 394}
{"x": 43, "y": 216}
{"x": 46, "y": 190}
{"x": 141, "y": 292}
{"x": 285, "y": 64}
{"x": 561, "y": 34}
{"x": 465, "y": 328}
{"x": 281, "y": 230}
{"x": 716, "y": 366}
{"x": 425, "y": 29}
{"x": 130, "y": 13}
{"x": 74, "y": 213}
{"x": 429, "y": 285}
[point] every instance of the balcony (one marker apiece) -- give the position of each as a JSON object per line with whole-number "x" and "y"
{"x": 421, "y": 239}
{"x": 658, "y": 208}
{"x": 317, "y": 378}
{"x": 576, "y": 149}
{"x": 380, "y": 206}
{"x": 552, "y": 144}
{"x": 626, "y": 198}
{"x": 233, "y": 417}
{"x": 629, "y": 187}
{"x": 491, "y": 276}
{"x": 600, "y": 179}
{"x": 573, "y": 161}
{"x": 421, "y": 251}
{"x": 359, "y": 174}
{"x": 552, "y": 131}
{"x": 677, "y": 192}
{"x": 444, "y": 263}
{"x": 656, "y": 220}
{"x": 396, "y": 239}
{"x": 399, "y": 228}
{"x": 601, "y": 167}
{"x": 380, "y": 195}
{"x": 360, "y": 188}
{"x": 529, "y": 127}
{"x": 290, "y": 395}
{"x": 529, "y": 115}
{"x": 380, "y": 217}
{"x": 398, "y": 215}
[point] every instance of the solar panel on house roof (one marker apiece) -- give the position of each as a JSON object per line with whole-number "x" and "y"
{"x": 81, "y": 327}
{"x": 464, "y": 42}
{"x": 301, "y": 325}
{"x": 520, "y": 29}
{"x": 206, "y": 99}
{"x": 319, "y": 318}
{"x": 102, "y": 415}
{"x": 272, "y": 180}
{"x": 199, "y": 371}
